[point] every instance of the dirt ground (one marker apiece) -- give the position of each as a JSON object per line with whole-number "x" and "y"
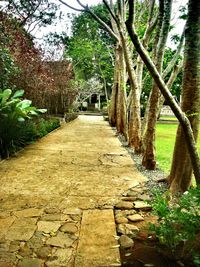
{"x": 48, "y": 186}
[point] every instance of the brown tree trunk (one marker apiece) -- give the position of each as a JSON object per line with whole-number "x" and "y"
{"x": 181, "y": 170}
{"x": 114, "y": 95}
{"x": 121, "y": 122}
{"x": 149, "y": 157}
{"x": 185, "y": 123}
{"x": 134, "y": 122}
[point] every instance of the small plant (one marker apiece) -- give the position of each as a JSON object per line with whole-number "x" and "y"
{"x": 178, "y": 225}
{"x": 14, "y": 116}
{"x": 46, "y": 126}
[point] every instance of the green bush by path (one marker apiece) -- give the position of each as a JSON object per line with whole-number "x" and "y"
{"x": 18, "y": 124}
{"x": 165, "y": 140}
{"x": 178, "y": 225}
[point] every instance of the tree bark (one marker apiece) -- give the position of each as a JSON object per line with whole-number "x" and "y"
{"x": 149, "y": 157}
{"x": 121, "y": 122}
{"x": 185, "y": 123}
{"x": 181, "y": 169}
{"x": 112, "y": 114}
{"x": 134, "y": 122}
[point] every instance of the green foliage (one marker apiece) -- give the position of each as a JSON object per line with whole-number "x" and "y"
{"x": 7, "y": 68}
{"x": 90, "y": 47}
{"x": 44, "y": 127}
{"x": 31, "y": 12}
{"x": 178, "y": 227}
{"x": 14, "y": 116}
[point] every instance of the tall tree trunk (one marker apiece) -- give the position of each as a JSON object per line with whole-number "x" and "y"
{"x": 134, "y": 122}
{"x": 183, "y": 119}
{"x": 181, "y": 170}
{"x": 114, "y": 95}
{"x": 121, "y": 122}
{"x": 149, "y": 158}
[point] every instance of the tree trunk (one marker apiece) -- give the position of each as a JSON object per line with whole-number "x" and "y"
{"x": 114, "y": 95}
{"x": 121, "y": 122}
{"x": 181, "y": 170}
{"x": 134, "y": 122}
{"x": 149, "y": 157}
{"x": 185, "y": 123}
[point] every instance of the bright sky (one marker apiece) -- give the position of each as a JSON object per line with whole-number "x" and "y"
{"x": 65, "y": 25}
{"x": 62, "y": 26}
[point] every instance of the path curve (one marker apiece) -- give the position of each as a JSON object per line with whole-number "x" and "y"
{"x": 57, "y": 198}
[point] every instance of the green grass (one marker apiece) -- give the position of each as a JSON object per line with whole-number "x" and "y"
{"x": 168, "y": 118}
{"x": 165, "y": 139}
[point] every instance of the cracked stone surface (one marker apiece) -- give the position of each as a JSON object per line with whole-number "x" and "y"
{"x": 47, "y": 187}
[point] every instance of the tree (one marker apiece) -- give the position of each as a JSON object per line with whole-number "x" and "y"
{"x": 31, "y": 13}
{"x": 181, "y": 170}
{"x": 156, "y": 100}
{"x": 86, "y": 89}
{"x": 184, "y": 121}
{"x": 91, "y": 49}
{"x": 160, "y": 43}
{"x": 117, "y": 111}
{"x": 44, "y": 83}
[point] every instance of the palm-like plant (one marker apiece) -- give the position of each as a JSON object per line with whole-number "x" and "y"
{"x": 15, "y": 113}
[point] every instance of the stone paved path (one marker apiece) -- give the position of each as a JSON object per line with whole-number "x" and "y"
{"x": 57, "y": 198}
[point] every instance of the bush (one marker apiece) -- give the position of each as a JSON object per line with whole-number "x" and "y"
{"x": 44, "y": 127}
{"x": 15, "y": 116}
{"x": 178, "y": 227}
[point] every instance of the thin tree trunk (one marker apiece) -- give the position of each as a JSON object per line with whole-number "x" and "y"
{"x": 121, "y": 122}
{"x": 114, "y": 95}
{"x": 134, "y": 127}
{"x": 134, "y": 122}
{"x": 181, "y": 170}
{"x": 185, "y": 123}
{"x": 149, "y": 157}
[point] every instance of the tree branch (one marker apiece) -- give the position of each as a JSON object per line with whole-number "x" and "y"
{"x": 175, "y": 57}
{"x": 98, "y": 19}
{"x": 75, "y": 9}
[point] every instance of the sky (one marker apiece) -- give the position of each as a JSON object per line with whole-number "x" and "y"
{"x": 65, "y": 24}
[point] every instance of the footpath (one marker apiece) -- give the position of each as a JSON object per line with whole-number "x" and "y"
{"x": 57, "y": 198}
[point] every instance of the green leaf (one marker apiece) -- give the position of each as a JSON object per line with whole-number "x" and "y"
{"x": 40, "y": 110}
{"x": 20, "y": 119}
{"x": 18, "y": 93}
{"x": 5, "y": 95}
{"x": 34, "y": 112}
{"x": 24, "y": 104}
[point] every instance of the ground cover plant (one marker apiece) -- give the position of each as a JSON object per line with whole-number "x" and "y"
{"x": 178, "y": 225}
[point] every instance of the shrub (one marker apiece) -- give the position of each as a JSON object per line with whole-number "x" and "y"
{"x": 178, "y": 227}
{"x": 15, "y": 114}
{"x": 46, "y": 126}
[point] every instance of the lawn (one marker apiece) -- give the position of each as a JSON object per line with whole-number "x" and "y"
{"x": 168, "y": 118}
{"x": 165, "y": 139}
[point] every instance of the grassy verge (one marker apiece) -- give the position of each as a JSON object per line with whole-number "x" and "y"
{"x": 165, "y": 139}
{"x": 168, "y": 118}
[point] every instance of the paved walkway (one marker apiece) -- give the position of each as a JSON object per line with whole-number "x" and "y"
{"x": 57, "y": 198}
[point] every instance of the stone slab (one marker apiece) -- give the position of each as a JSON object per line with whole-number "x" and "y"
{"x": 60, "y": 240}
{"x": 32, "y": 212}
{"x": 48, "y": 227}
{"x": 97, "y": 245}
{"x": 22, "y": 229}
{"x": 5, "y": 225}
